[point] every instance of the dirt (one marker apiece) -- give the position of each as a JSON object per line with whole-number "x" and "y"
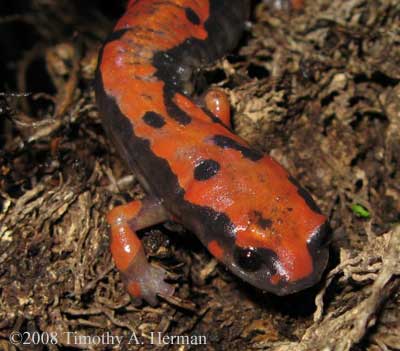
{"x": 318, "y": 88}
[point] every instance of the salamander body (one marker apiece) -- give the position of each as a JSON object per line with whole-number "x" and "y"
{"x": 243, "y": 206}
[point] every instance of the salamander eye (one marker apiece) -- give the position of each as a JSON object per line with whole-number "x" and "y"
{"x": 248, "y": 259}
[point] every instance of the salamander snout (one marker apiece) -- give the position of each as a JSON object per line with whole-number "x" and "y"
{"x": 284, "y": 269}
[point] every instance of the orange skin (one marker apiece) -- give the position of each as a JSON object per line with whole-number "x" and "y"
{"x": 217, "y": 102}
{"x": 124, "y": 246}
{"x": 211, "y": 172}
{"x": 216, "y": 250}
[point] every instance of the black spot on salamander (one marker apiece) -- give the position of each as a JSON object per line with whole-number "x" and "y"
{"x": 173, "y": 110}
{"x": 263, "y": 222}
{"x": 206, "y": 169}
{"x": 228, "y": 143}
{"x": 305, "y": 195}
{"x": 192, "y": 16}
{"x": 154, "y": 120}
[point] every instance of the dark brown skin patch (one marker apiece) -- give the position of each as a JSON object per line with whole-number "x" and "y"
{"x": 174, "y": 111}
{"x": 305, "y": 195}
{"x": 206, "y": 169}
{"x": 258, "y": 217}
{"x": 154, "y": 120}
{"x": 228, "y": 143}
{"x": 192, "y": 16}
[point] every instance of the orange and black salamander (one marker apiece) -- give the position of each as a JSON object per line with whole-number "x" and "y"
{"x": 243, "y": 206}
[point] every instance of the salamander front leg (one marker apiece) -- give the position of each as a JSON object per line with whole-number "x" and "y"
{"x": 142, "y": 279}
{"x": 217, "y": 102}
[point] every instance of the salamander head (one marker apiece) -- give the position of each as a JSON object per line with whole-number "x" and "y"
{"x": 278, "y": 256}
{"x": 284, "y": 269}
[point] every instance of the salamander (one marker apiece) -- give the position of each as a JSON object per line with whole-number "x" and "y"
{"x": 242, "y": 205}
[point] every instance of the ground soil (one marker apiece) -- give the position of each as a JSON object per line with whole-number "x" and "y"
{"x": 318, "y": 88}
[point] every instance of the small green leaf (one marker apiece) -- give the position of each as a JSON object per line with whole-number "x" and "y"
{"x": 360, "y": 211}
